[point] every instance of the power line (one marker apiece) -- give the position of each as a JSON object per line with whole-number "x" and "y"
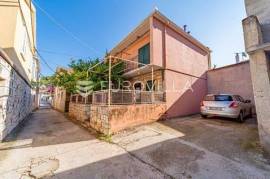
{"x": 45, "y": 62}
{"x": 61, "y": 53}
{"x": 66, "y": 30}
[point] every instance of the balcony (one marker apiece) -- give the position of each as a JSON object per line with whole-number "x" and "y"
{"x": 132, "y": 68}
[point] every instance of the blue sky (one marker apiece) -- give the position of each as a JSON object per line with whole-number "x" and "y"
{"x": 102, "y": 24}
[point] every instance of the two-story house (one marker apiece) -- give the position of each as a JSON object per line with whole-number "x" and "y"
{"x": 178, "y": 61}
{"x": 164, "y": 70}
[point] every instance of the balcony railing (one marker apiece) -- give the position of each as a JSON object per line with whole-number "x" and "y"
{"x": 118, "y": 97}
{"x": 132, "y": 64}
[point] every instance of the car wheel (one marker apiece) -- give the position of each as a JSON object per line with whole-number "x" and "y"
{"x": 241, "y": 117}
{"x": 203, "y": 116}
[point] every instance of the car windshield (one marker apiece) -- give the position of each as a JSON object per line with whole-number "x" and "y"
{"x": 218, "y": 98}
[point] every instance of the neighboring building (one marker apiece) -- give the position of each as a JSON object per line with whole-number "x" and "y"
{"x": 231, "y": 79}
{"x": 61, "y": 97}
{"x": 19, "y": 65}
{"x": 46, "y": 94}
{"x": 180, "y": 63}
{"x": 257, "y": 41}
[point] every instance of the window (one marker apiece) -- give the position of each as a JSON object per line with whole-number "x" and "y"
{"x": 34, "y": 70}
{"x": 24, "y": 41}
{"x": 25, "y": 46}
{"x": 218, "y": 98}
{"x": 144, "y": 54}
{"x": 150, "y": 85}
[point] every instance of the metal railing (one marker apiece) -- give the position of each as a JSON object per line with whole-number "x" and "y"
{"x": 80, "y": 99}
{"x": 132, "y": 64}
{"x": 127, "y": 97}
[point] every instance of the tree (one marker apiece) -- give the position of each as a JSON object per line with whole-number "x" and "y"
{"x": 68, "y": 79}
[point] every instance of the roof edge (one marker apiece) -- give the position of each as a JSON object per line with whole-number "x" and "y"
{"x": 157, "y": 14}
{"x": 193, "y": 40}
{"x": 228, "y": 66}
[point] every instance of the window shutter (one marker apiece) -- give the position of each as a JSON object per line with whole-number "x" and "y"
{"x": 144, "y": 54}
{"x": 147, "y": 54}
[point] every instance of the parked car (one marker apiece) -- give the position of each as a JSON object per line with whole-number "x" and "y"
{"x": 226, "y": 105}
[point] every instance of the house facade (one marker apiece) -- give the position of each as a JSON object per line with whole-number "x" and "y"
{"x": 177, "y": 61}
{"x": 19, "y": 66}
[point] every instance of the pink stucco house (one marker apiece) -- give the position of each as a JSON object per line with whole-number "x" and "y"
{"x": 167, "y": 69}
{"x": 180, "y": 63}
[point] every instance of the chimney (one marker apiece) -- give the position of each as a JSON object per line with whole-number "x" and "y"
{"x": 237, "y": 58}
{"x": 185, "y": 28}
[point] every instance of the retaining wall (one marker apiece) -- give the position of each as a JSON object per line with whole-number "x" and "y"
{"x": 109, "y": 120}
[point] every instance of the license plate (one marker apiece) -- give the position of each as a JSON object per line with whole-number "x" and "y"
{"x": 215, "y": 108}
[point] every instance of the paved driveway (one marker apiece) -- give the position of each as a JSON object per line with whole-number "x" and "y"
{"x": 50, "y": 145}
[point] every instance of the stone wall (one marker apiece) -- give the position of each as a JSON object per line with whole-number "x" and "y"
{"x": 109, "y": 120}
{"x": 17, "y": 99}
{"x": 80, "y": 112}
{"x": 100, "y": 118}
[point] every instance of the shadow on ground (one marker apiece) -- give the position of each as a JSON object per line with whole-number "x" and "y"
{"x": 188, "y": 147}
{"x": 197, "y": 148}
{"x": 46, "y": 127}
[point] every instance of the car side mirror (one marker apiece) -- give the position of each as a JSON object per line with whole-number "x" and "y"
{"x": 247, "y": 101}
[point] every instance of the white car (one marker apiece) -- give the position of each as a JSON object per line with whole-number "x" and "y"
{"x": 226, "y": 105}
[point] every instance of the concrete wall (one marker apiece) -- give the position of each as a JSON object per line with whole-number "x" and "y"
{"x": 158, "y": 78}
{"x": 185, "y": 65}
{"x": 257, "y": 37}
{"x": 261, "y": 9}
{"x": 157, "y": 30}
{"x": 17, "y": 99}
{"x": 183, "y": 94}
{"x": 59, "y": 100}
{"x": 232, "y": 79}
{"x": 18, "y": 36}
{"x": 131, "y": 51}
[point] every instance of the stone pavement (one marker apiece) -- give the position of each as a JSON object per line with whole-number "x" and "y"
{"x": 48, "y": 145}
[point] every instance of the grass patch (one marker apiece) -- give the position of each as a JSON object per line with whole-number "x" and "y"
{"x": 105, "y": 138}
{"x": 251, "y": 145}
